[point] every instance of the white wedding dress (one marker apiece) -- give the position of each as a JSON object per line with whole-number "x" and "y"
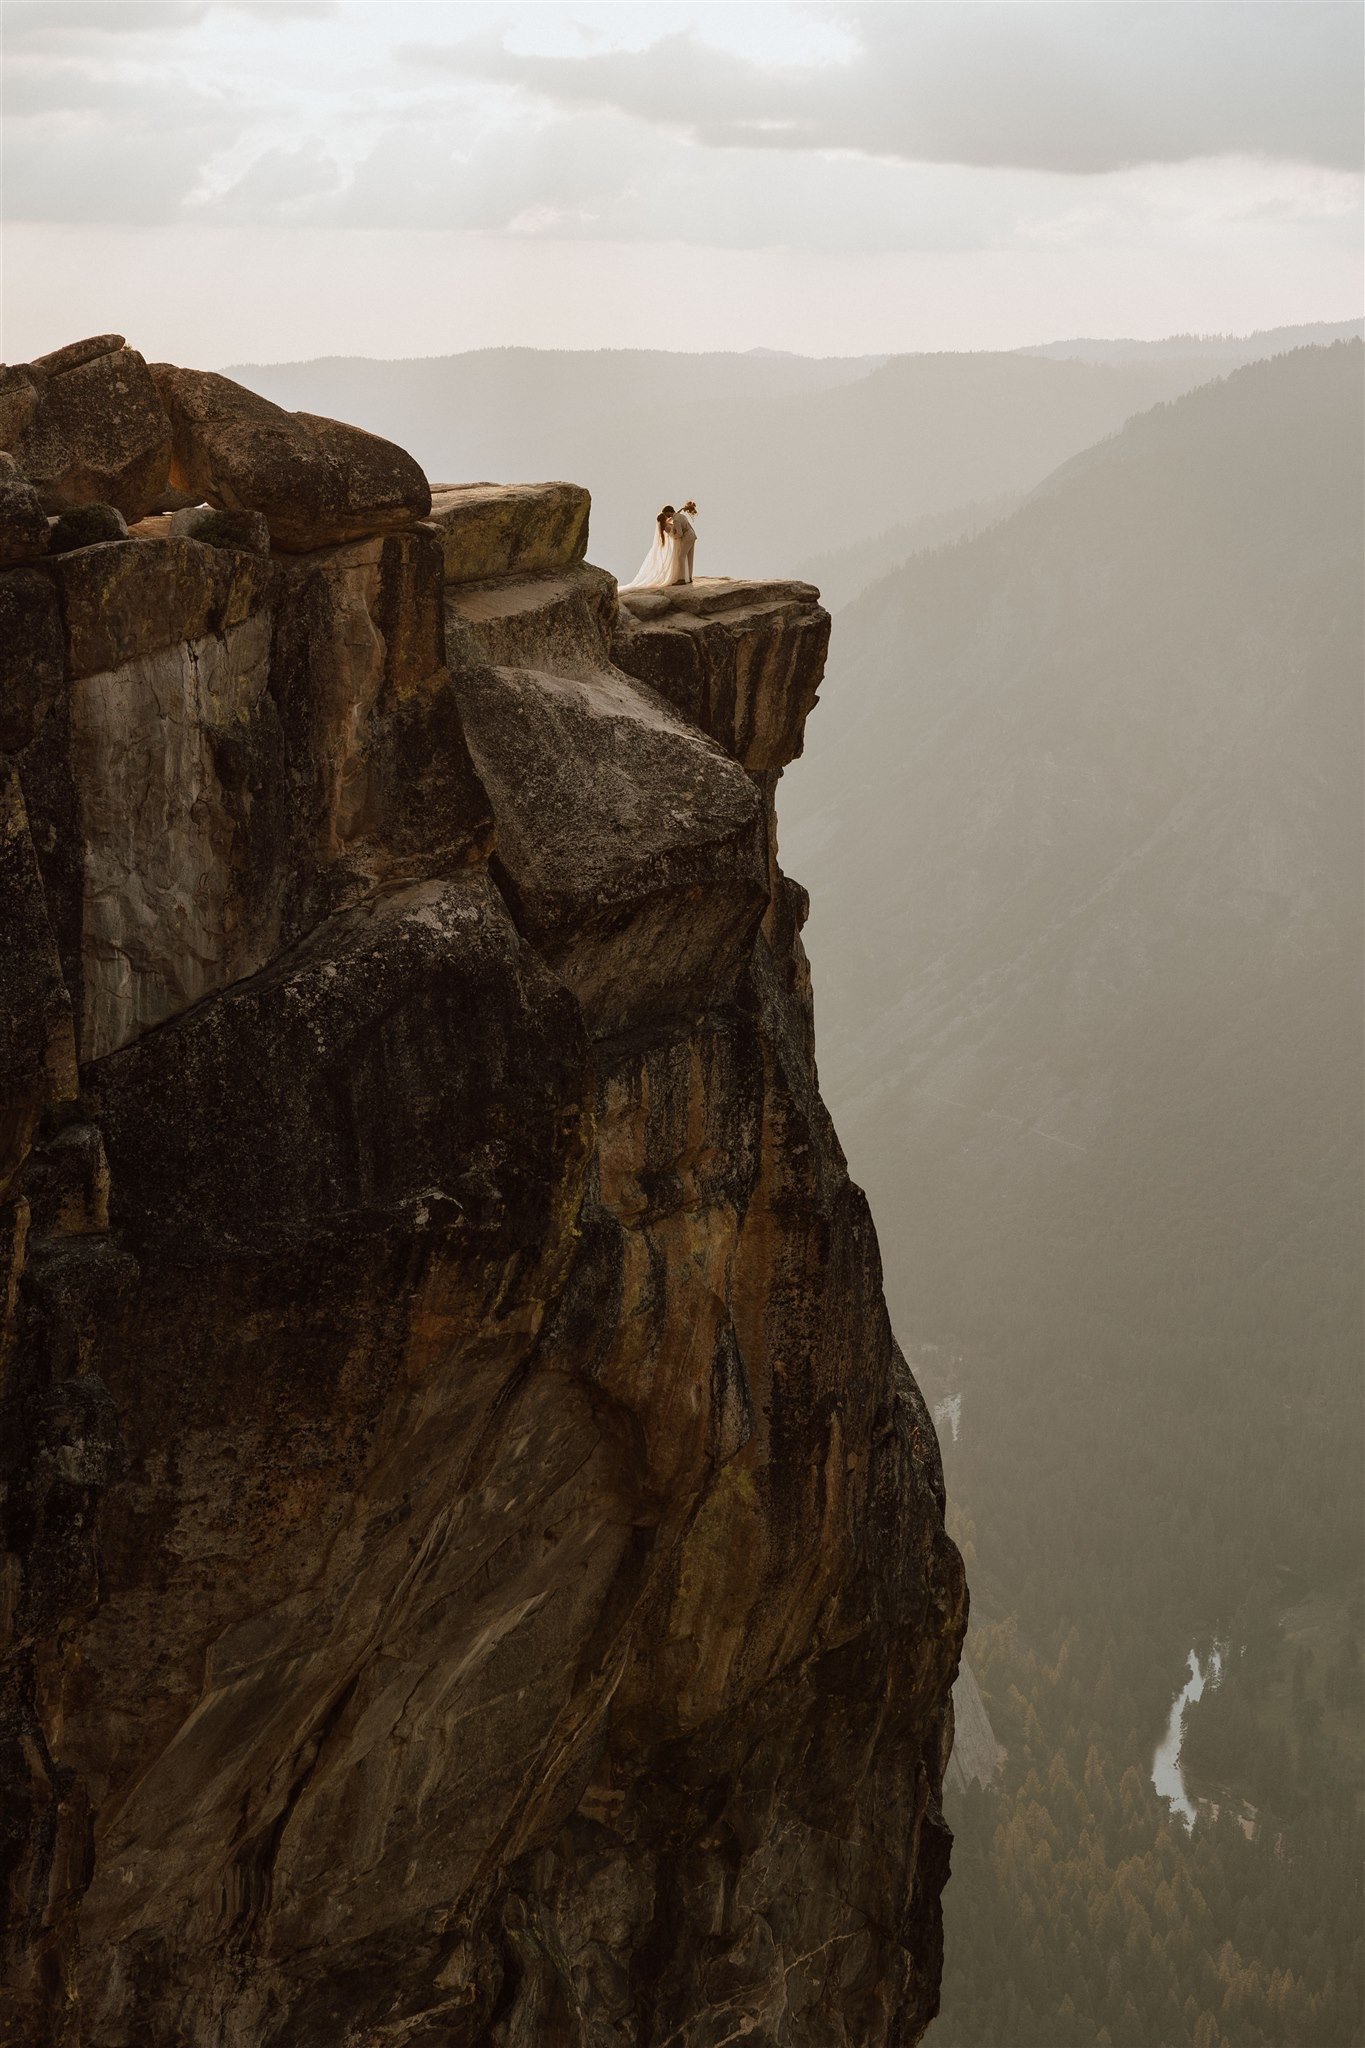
{"x": 660, "y": 566}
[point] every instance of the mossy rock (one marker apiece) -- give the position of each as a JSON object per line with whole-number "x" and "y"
{"x": 249, "y": 530}
{"x": 85, "y": 527}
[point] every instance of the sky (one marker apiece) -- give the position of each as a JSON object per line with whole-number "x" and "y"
{"x": 234, "y": 180}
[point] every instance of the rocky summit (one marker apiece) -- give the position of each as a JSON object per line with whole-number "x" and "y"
{"x": 474, "y": 1567}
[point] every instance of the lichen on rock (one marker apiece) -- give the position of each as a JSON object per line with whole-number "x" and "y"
{"x": 474, "y": 1554}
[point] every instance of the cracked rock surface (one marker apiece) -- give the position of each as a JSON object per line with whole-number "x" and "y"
{"x": 474, "y": 1568}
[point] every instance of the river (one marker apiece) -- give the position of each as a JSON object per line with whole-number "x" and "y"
{"x": 1166, "y": 1763}
{"x": 948, "y": 1410}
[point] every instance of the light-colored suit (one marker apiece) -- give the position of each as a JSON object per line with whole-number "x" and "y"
{"x": 685, "y": 537}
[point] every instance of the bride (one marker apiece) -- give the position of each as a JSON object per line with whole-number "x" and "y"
{"x": 663, "y": 564}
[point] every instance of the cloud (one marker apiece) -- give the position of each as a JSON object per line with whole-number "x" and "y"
{"x": 79, "y": 24}
{"x": 607, "y": 177}
{"x": 610, "y": 178}
{"x": 1054, "y": 85}
{"x": 114, "y": 112}
{"x": 58, "y": 171}
{"x": 48, "y": 24}
{"x": 676, "y": 139}
{"x": 284, "y": 183}
{"x": 118, "y": 96}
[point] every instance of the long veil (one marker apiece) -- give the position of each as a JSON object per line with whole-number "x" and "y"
{"x": 657, "y": 567}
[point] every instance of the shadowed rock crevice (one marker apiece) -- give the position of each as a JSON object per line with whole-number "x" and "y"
{"x": 475, "y": 1569}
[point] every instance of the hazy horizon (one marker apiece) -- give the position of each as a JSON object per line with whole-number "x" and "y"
{"x": 910, "y": 449}
{"x": 761, "y": 350}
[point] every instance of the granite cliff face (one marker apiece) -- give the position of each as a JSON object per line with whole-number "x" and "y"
{"x": 474, "y": 1561}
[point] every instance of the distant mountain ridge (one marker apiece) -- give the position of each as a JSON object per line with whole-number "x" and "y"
{"x": 792, "y": 459}
{"x": 1228, "y": 349}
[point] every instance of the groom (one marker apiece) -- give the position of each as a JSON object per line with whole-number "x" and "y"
{"x": 685, "y": 534}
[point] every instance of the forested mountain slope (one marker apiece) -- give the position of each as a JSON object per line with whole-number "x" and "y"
{"x": 1092, "y": 1025}
{"x": 1084, "y": 846}
{"x": 1230, "y": 350}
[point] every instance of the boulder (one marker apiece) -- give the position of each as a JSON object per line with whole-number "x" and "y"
{"x": 741, "y": 660}
{"x": 88, "y": 526}
{"x": 510, "y": 529}
{"x": 249, "y": 530}
{"x": 630, "y": 848}
{"x": 86, "y": 426}
{"x": 76, "y": 354}
{"x": 318, "y": 482}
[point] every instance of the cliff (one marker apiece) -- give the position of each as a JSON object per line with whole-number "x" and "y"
{"x": 474, "y": 1559}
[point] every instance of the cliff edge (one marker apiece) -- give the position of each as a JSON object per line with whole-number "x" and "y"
{"x": 474, "y": 1557}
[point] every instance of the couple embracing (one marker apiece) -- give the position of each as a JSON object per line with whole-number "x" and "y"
{"x": 670, "y": 558}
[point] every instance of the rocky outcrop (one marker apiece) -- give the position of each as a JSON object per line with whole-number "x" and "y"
{"x": 92, "y": 433}
{"x": 501, "y": 530}
{"x": 741, "y": 660}
{"x": 474, "y": 1555}
{"x": 316, "y": 481}
{"x": 630, "y": 848}
{"x": 85, "y": 425}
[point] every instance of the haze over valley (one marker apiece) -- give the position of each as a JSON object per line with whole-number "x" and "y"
{"x": 791, "y": 459}
{"x": 1082, "y": 828}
